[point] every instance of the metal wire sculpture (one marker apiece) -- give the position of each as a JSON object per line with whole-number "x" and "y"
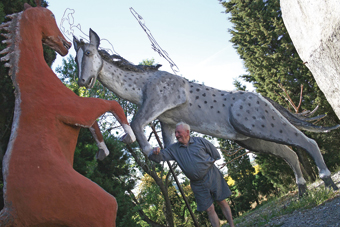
{"x": 70, "y": 29}
{"x": 155, "y": 46}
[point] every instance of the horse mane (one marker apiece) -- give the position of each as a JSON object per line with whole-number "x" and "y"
{"x": 12, "y": 52}
{"x": 125, "y": 65}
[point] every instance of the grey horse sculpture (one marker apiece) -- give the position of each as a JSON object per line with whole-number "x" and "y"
{"x": 254, "y": 122}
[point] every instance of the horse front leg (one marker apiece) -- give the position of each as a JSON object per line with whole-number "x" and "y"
{"x": 98, "y": 137}
{"x": 143, "y": 117}
{"x": 118, "y": 112}
{"x": 85, "y": 111}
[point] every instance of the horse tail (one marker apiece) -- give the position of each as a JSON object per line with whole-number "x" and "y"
{"x": 301, "y": 122}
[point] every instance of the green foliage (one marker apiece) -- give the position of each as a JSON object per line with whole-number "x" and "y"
{"x": 283, "y": 182}
{"x": 152, "y": 201}
{"x": 148, "y": 62}
{"x": 247, "y": 187}
{"x": 272, "y": 64}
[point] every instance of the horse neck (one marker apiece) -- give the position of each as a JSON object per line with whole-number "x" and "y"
{"x": 125, "y": 84}
{"x": 34, "y": 73}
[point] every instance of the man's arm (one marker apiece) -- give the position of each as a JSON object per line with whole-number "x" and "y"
{"x": 211, "y": 149}
{"x": 158, "y": 155}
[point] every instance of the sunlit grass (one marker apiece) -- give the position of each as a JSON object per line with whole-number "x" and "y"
{"x": 284, "y": 204}
{"x": 314, "y": 198}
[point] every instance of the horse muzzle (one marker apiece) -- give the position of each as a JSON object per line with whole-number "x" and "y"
{"x": 89, "y": 83}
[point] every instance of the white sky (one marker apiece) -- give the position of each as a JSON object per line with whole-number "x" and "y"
{"x": 193, "y": 33}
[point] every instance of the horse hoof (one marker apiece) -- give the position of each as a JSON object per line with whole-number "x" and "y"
{"x": 302, "y": 190}
{"x": 100, "y": 155}
{"x": 126, "y": 139}
{"x": 329, "y": 183}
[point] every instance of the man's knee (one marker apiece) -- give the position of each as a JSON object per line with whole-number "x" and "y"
{"x": 210, "y": 209}
{"x": 222, "y": 203}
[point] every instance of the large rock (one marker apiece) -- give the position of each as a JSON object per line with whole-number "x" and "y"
{"x": 314, "y": 27}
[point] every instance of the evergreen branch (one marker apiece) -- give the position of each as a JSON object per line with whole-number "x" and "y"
{"x": 289, "y": 99}
{"x": 230, "y": 151}
{"x": 300, "y": 99}
{"x": 141, "y": 212}
{"x": 223, "y": 165}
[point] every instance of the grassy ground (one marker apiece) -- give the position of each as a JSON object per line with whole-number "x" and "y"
{"x": 285, "y": 204}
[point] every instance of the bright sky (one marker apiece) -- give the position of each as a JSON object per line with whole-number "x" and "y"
{"x": 193, "y": 33}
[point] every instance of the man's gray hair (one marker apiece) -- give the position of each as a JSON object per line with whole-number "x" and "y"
{"x": 185, "y": 125}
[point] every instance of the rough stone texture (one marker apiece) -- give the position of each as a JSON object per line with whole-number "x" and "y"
{"x": 314, "y": 27}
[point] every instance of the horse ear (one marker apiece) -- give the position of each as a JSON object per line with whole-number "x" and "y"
{"x": 76, "y": 43}
{"x": 27, "y": 6}
{"x": 94, "y": 38}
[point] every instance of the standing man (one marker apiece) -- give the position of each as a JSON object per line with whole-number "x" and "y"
{"x": 196, "y": 157}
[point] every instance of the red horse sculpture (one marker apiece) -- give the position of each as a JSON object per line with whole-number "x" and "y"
{"x": 41, "y": 188}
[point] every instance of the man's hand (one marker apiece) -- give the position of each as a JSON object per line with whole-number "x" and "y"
{"x": 156, "y": 150}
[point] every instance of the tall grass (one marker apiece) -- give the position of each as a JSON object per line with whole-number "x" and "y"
{"x": 285, "y": 204}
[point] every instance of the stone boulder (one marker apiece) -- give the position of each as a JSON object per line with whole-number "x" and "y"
{"x": 314, "y": 27}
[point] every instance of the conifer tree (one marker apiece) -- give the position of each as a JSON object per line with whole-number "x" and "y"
{"x": 272, "y": 63}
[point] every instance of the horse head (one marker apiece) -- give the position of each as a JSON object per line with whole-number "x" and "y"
{"x": 51, "y": 35}
{"x": 87, "y": 55}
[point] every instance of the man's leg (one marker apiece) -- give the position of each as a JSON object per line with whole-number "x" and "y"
{"x": 226, "y": 212}
{"x": 213, "y": 218}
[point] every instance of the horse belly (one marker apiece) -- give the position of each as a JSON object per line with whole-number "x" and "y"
{"x": 202, "y": 121}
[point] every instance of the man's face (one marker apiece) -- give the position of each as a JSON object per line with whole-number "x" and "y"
{"x": 182, "y": 135}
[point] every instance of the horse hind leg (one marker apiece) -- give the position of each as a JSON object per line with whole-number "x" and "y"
{"x": 281, "y": 151}
{"x": 255, "y": 117}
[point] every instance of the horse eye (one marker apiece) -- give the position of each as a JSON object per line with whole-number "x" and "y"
{"x": 52, "y": 15}
{"x": 87, "y": 53}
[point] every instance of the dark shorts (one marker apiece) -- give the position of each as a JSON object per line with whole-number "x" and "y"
{"x": 212, "y": 187}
